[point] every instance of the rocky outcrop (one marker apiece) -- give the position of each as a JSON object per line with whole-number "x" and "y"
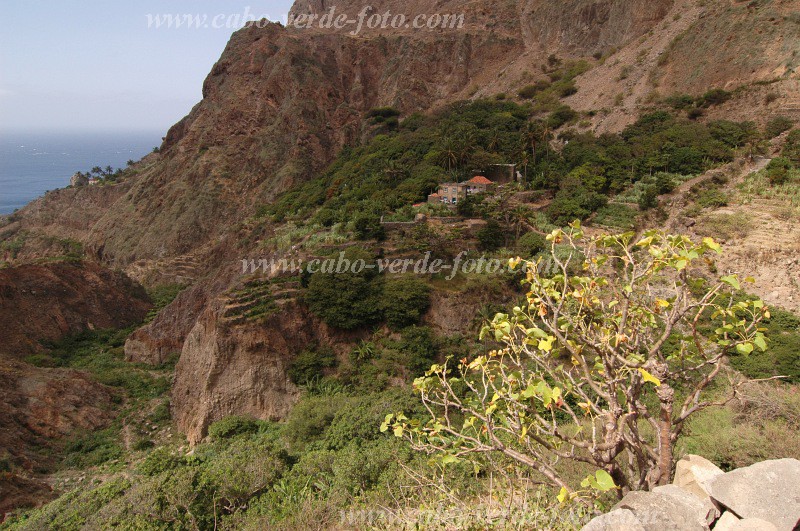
{"x": 240, "y": 367}
{"x": 38, "y": 408}
{"x": 46, "y": 302}
{"x": 764, "y": 496}
{"x": 163, "y": 338}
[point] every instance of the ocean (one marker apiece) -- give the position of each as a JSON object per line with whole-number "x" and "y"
{"x": 33, "y": 163}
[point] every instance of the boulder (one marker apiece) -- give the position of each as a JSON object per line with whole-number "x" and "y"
{"x": 726, "y": 522}
{"x": 692, "y": 472}
{"x": 753, "y": 524}
{"x": 704, "y": 508}
{"x": 616, "y": 520}
{"x": 657, "y": 511}
{"x": 769, "y": 490}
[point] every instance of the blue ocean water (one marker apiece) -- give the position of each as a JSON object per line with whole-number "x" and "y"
{"x": 33, "y": 163}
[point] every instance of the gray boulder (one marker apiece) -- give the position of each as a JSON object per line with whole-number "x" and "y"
{"x": 753, "y": 524}
{"x": 726, "y": 522}
{"x": 692, "y": 472}
{"x": 769, "y": 490}
{"x": 616, "y": 520}
{"x": 660, "y": 511}
{"x": 703, "y": 506}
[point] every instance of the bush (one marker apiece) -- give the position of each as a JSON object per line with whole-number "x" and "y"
{"x": 233, "y": 426}
{"x": 561, "y": 116}
{"x": 529, "y": 91}
{"x": 346, "y": 300}
{"x": 310, "y": 365}
{"x": 530, "y": 244}
{"x": 712, "y": 198}
{"x": 405, "y": 300}
{"x": 648, "y": 198}
{"x": 664, "y": 183}
{"x": 778, "y": 170}
{"x": 368, "y": 227}
{"x": 159, "y": 460}
{"x": 715, "y": 96}
{"x": 777, "y": 126}
{"x": 92, "y": 449}
{"x": 679, "y": 101}
{"x": 792, "y": 148}
{"x": 416, "y": 342}
{"x": 491, "y": 237}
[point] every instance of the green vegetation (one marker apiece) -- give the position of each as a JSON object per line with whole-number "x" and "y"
{"x": 394, "y": 170}
{"x": 615, "y": 342}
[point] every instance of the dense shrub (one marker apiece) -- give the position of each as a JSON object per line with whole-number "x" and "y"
{"x": 348, "y": 299}
{"x": 310, "y": 365}
{"x": 367, "y": 226}
{"x": 648, "y": 198}
{"x": 715, "y": 96}
{"x": 491, "y": 236}
{"x": 405, "y": 300}
{"x": 529, "y": 91}
{"x": 792, "y": 148}
{"x": 778, "y": 170}
{"x": 158, "y": 461}
{"x": 530, "y": 244}
{"x": 233, "y": 426}
{"x": 733, "y": 134}
{"x": 778, "y": 125}
{"x": 561, "y": 116}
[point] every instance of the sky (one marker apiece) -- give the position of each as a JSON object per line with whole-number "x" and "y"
{"x": 102, "y": 65}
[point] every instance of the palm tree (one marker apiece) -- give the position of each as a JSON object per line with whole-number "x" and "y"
{"x": 449, "y": 152}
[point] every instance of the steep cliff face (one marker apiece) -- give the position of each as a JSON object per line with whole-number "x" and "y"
{"x": 47, "y": 302}
{"x": 229, "y": 368}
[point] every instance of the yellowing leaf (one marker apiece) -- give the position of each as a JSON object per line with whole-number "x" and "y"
{"x": 546, "y": 344}
{"x": 647, "y": 377}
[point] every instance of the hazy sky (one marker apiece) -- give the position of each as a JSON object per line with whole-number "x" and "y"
{"x": 93, "y": 64}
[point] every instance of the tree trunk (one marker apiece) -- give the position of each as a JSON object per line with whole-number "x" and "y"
{"x": 666, "y": 396}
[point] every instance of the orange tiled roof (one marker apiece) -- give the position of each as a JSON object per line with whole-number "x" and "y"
{"x": 480, "y": 179}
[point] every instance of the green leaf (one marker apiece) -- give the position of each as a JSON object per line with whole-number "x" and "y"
{"x": 744, "y": 348}
{"x": 563, "y": 495}
{"x": 760, "y": 342}
{"x": 732, "y": 281}
{"x": 447, "y": 459}
{"x": 604, "y": 481}
{"x": 398, "y": 430}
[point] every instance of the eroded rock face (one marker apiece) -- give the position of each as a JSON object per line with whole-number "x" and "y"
{"x": 241, "y": 368}
{"x": 47, "y": 302}
{"x": 41, "y": 406}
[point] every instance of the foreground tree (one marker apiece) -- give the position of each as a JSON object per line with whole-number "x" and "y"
{"x": 603, "y": 365}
